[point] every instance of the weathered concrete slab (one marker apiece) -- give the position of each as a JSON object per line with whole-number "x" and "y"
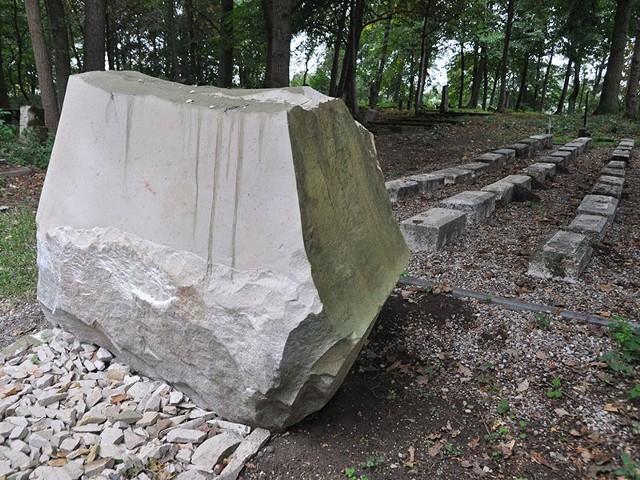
{"x": 401, "y": 188}
{"x": 623, "y": 146}
{"x": 628, "y": 141}
{"x": 621, "y": 155}
{"x": 613, "y": 180}
{"x": 427, "y": 182}
{"x": 522, "y": 181}
{"x": 502, "y": 190}
{"x": 565, "y": 155}
{"x": 573, "y": 152}
{"x": 588, "y": 142}
{"x": 579, "y": 146}
{"x": 564, "y": 256}
{"x": 539, "y": 171}
{"x": 594, "y": 226}
{"x": 607, "y": 189}
{"x": 509, "y": 154}
{"x": 534, "y": 145}
{"x": 616, "y": 164}
{"x": 599, "y": 205}
{"x": 496, "y": 161}
{"x": 561, "y": 162}
{"x": 430, "y": 231}
{"x": 238, "y": 244}
{"x": 477, "y": 205}
{"x": 546, "y": 140}
{"x": 477, "y": 168}
{"x": 549, "y": 168}
{"x": 454, "y": 175}
{"x": 614, "y": 172}
{"x": 522, "y": 149}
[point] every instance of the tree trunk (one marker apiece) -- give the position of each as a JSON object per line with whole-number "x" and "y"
{"x": 485, "y": 77}
{"x": 565, "y": 87}
{"x": 43, "y": 65}
{"x": 573, "y": 98}
{"x": 631, "y": 98}
{"x": 476, "y": 81}
{"x": 599, "y": 72}
{"x": 462, "y": 67}
{"x": 277, "y": 14}
{"x": 545, "y": 82}
{"x": 347, "y": 89}
{"x": 424, "y": 63}
{"x": 225, "y": 70}
{"x": 522, "y": 94}
{"x": 111, "y": 42}
{"x": 337, "y": 43}
{"x": 171, "y": 40}
{"x": 374, "y": 90}
{"x": 4, "y": 94}
{"x": 58, "y": 24}
{"x": 95, "y": 19}
{"x": 495, "y": 84}
{"x": 609, "y": 101}
{"x": 502, "y": 103}
{"x": 18, "y": 34}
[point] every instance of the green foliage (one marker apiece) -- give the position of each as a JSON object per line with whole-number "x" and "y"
{"x": 373, "y": 462}
{"x": 351, "y": 474}
{"x": 630, "y": 469}
{"x": 32, "y": 152}
{"x": 18, "y": 272}
{"x": 634, "y": 393}
{"x": 542, "y": 321}
{"x": 556, "y": 389}
{"x": 627, "y": 336}
{"x": 503, "y": 407}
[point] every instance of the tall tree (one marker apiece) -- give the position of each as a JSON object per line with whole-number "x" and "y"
{"x": 502, "y": 102}
{"x": 277, "y": 15}
{"x": 171, "y": 40}
{"x": 225, "y": 70}
{"x": 5, "y": 104}
{"x": 609, "y": 98}
{"x": 95, "y": 20}
{"x": 58, "y": 24}
{"x": 43, "y": 65}
{"x": 631, "y": 98}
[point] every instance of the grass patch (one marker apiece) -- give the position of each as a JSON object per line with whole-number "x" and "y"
{"x": 18, "y": 270}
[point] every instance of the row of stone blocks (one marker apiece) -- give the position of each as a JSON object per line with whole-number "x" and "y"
{"x": 433, "y": 229}
{"x": 492, "y": 161}
{"x": 567, "y": 252}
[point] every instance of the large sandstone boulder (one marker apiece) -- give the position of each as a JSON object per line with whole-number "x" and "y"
{"x": 237, "y": 244}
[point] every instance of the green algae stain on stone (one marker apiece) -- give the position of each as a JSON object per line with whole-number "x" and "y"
{"x": 353, "y": 242}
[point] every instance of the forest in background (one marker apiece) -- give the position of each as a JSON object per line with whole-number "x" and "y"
{"x": 502, "y": 54}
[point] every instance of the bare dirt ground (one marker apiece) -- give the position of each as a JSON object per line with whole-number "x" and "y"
{"x": 452, "y": 388}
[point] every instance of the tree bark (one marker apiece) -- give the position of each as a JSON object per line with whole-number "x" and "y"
{"x": 4, "y": 94}
{"x": 58, "y": 24}
{"x": 502, "y": 102}
{"x": 95, "y": 18}
{"x": 374, "y": 90}
{"x": 485, "y": 77}
{"x": 476, "y": 81}
{"x": 337, "y": 44}
{"x": 609, "y": 101}
{"x": 424, "y": 63}
{"x": 545, "y": 82}
{"x": 565, "y": 87}
{"x": 462, "y": 67}
{"x": 522, "y": 94}
{"x": 171, "y": 40}
{"x": 347, "y": 87}
{"x": 631, "y": 98}
{"x": 573, "y": 98}
{"x": 43, "y": 65}
{"x": 277, "y": 14}
{"x": 225, "y": 69}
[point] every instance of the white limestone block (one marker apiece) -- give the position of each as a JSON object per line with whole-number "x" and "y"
{"x": 236, "y": 244}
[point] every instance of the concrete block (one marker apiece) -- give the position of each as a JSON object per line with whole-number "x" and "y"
{"x": 588, "y": 142}
{"x": 607, "y": 189}
{"x": 614, "y": 172}
{"x": 560, "y": 162}
{"x": 502, "y": 190}
{"x": 477, "y": 205}
{"x": 628, "y": 141}
{"x": 454, "y": 175}
{"x": 495, "y": 161}
{"x": 533, "y": 145}
{"x": 594, "y": 226}
{"x": 539, "y": 171}
{"x": 522, "y": 181}
{"x": 624, "y": 146}
{"x": 573, "y": 151}
{"x": 477, "y": 168}
{"x": 602, "y": 205}
{"x": 616, "y": 164}
{"x": 427, "y": 182}
{"x": 549, "y": 168}
{"x": 546, "y": 140}
{"x": 564, "y": 255}
{"x": 430, "y": 231}
{"x": 621, "y": 155}
{"x": 580, "y": 146}
{"x": 565, "y": 155}
{"x": 522, "y": 149}
{"x": 613, "y": 180}
{"x": 401, "y": 188}
{"x": 510, "y": 155}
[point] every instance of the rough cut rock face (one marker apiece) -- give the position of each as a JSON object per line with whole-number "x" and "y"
{"x": 237, "y": 244}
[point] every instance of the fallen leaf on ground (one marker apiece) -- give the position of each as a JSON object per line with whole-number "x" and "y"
{"x": 464, "y": 371}
{"x": 610, "y": 407}
{"x": 411, "y": 456}
{"x": 433, "y": 451}
{"x": 561, "y": 412}
{"x": 507, "y": 448}
{"x": 606, "y": 287}
{"x": 541, "y": 460}
{"x": 605, "y": 314}
{"x": 474, "y": 442}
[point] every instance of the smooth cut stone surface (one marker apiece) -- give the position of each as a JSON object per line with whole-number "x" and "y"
{"x": 599, "y": 205}
{"x": 564, "y": 255}
{"x": 401, "y": 188}
{"x": 477, "y": 205}
{"x": 509, "y": 154}
{"x": 495, "y": 161}
{"x": 502, "y": 190}
{"x": 237, "y": 244}
{"x": 428, "y": 182}
{"x": 477, "y": 168}
{"x": 454, "y": 175}
{"x": 592, "y": 225}
{"x": 430, "y": 231}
